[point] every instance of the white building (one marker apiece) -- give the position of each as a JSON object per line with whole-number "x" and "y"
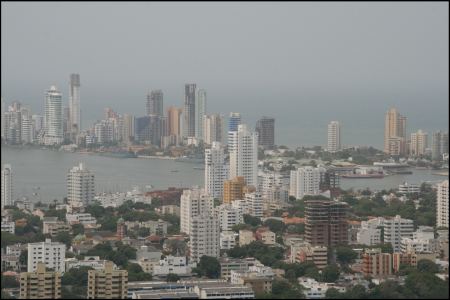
{"x": 194, "y": 202}
{"x": 244, "y": 155}
{"x": 7, "y": 186}
{"x": 229, "y": 216}
{"x": 304, "y": 181}
{"x": 172, "y": 265}
{"x": 200, "y": 111}
{"x": 317, "y": 290}
{"x": 397, "y": 228}
{"x": 89, "y": 261}
{"x": 419, "y": 143}
{"x": 442, "y": 204}
{"x": 213, "y": 126}
{"x": 81, "y": 218}
{"x": 334, "y": 136}
{"x": 408, "y": 188}
{"x": 53, "y": 117}
{"x": 204, "y": 237}
{"x": 228, "y": 240}
{"x": 26, "y": 128}
{"x": 8, "y": 227}
{"x": 80, "y": 186}
{"x": 51, "y": 253}
{"x": 255, "y": 204}
{"x": 216, "y": 171}
{"x": 370, "y": 232}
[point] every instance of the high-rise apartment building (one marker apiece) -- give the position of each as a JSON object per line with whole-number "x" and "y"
{"x": 244, "y": 155}
{"x": 234, "y": 121}
{"x": 53, "y": 117}
{"x": 334, "y": 137}
{"x": 194, "y": 202}
{"x": 419, "y": 143}
{"x": 394, "y": 133}
{"x": 395, "y": 229}
{"x": 80, "y": 186}
{"x": 254, "y": 203}
{"x": 148, "y": 129}
{"x": 2, "y": 130}
{"x": 51, "y": 253}
{"x": 213, "y": 128}
{"x": 442, "y": 204}
{"x": 233, "y": 189}
{"x": 7, "y": 186}
{"x": 107, "y": 283}
{"x": 439, "y": 144}
{"x": 204, "y": 237}
{"x": 200, "y": 111}
{"x": 189, "y": 110}
{"x": 265, "y": 127}
{"x": 326, "y": 222}
{"x": 216, "y": 171}
{"x": 155, "y": 103}
{"x": 74, "y": 105}
{"x": 174, "y": 121}
{"x": 40, "y": 284}
{"x": 229, "y": 216}
{"x": 304, "y": 181}
{"x": 128, "y": 128}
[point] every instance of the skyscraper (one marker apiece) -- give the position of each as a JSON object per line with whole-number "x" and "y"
{"x": 149, "y": 129}
{"x": 394, "y": 133}
{"x": 334, "y": 137}
{"x": 80, "y": 186}
{"x": 74, "y": 106}
{"x": 233, "y": 122}
{"x": 174, "y": 121}
{"x": 439, "y": 144}
{"x": 189, "y": 110}
{"x": 265, "y": 127}
{"x": 200, "y": 111}
{"x": 442, "y": 204}
{"x": 326, "y": 222}
{"x": 213, "y": 128}
{"x": 244, "y": 155}
{"x": 7, "y": 186}
{"x": 155, "y": 104}
{"x": 216, "y": 171}
{"x": 2, "y": 117}
{"x": 128, "y": 128}
{"x": 26, "y": 130}
{"x": 53, "y": 117}
{"x": 419, "y": 143}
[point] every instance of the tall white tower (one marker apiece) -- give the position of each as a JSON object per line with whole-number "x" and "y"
{"x": 74, "y": 104}
{"x": 216, "y": 171}
{"x": 244, "y": 154}
{"x": 200, "y": 111}
{"x": 304, "y": 181}
{"x": 334, "y": 136}
{"x": 204, "y": 237}
{"x": 80, "y": 186}
{"x": 53, "y": 117}
{"x": 7, "y": 186}
{"x": 193, "y": 202}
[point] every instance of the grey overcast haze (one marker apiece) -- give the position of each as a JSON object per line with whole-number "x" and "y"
{"x": 304, "y": 64}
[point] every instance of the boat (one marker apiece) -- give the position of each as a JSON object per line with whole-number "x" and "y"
{"x": 173, "y": 171}
{"x": 198, "y": 168}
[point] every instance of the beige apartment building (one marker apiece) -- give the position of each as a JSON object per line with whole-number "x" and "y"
{"x": 107, "y": 283}
{"x": 40, "y": 284}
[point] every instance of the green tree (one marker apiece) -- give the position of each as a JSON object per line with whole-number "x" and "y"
{"x": 9, "y": 282}
{"x": 64, "y": 237}
{"x": 77, "y": 229}
{"x": 135, "y": 273}
{"x": 345, "y": 255}
{"x": 143, "y": 231}
{"x": 76, "y": 276}
{"x": 275, "y": 225}
{"x": 425, "y": 265}
{"x": 330, "y": 273}
{"x": 171, "y": 277}
{"x": 333, "y": 293}
{"x": 209, "y": 266}
{"x": 253, "y": 221}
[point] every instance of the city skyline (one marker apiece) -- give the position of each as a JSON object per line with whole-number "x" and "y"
{"x": 412, "y": 91}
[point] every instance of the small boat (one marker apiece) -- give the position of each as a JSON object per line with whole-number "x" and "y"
{"x": 198, "y": 168}
{"x": 173, "y": 171}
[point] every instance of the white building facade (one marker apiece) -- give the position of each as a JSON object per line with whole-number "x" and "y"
{"x": 216, "y": 171}
{"x": 194, "y": 202}
{"x": 304, "y": 181}
{"x": 334, "y": 137}
{"x": 442, "y": 204}
{"x": 80, "y": 186}
{"x": 7, "y": 186}
{"x": 244, "y": 155}
{"x": 53, "y": 254}
{"x": 53, "y": 117}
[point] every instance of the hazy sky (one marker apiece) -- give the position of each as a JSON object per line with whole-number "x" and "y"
{"x": 302, "y": 63}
